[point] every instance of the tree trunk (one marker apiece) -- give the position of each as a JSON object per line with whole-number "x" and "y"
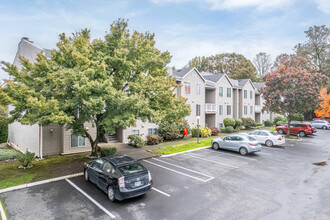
{"x": 99, "y": 136}
{"x": 289, "y": 122}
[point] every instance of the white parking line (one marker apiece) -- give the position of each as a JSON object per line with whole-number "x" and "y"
{"x": 157, "y": 190}
{"x": 2, "y": 212}
{"x": 233, "y": 155}
{"x": 272, "y": 148}
{"x": 212, "y": 161}
{"x": 181, "y": 167}
{"x": 184, "y": 174}
{"x": 259, "y": 152}
{"x": 91, "y": 199}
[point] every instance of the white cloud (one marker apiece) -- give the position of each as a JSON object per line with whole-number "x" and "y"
{"x": 323, "y": 5}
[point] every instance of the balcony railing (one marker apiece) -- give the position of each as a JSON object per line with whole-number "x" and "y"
{"x": 257, "y": 108}
{"x": 210, "y": 108}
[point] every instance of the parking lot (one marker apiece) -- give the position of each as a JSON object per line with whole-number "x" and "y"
{"x": 280, "y": 182}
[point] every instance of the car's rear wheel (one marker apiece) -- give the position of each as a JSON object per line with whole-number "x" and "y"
{"x": 280, "y": 131}
{"x": 243, "y": 151}
{"x": 215, "y": 146}
{"x": 269, "y": 143}
{"x": 324, "y": 127}
{"x": 111, "y": 194}
{"x": 86, "y": 175}
{"x": 302, "y": 134}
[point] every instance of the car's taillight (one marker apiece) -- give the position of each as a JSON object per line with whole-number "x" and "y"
{"x": 279, "y": 139}
{"x": 252, "y": 144}
{"x": 149, "y": 176}
{"x": 121, "y": 182}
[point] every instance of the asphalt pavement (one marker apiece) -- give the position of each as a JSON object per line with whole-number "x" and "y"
{"x": 277, "y": 183}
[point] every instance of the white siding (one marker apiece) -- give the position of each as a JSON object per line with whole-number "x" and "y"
{"x": 141, "y": 126}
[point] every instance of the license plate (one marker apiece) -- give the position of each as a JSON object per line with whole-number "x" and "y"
{"x": 138, "y": 183}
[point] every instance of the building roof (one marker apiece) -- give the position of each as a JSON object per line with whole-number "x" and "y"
{"x": 258, "y": 85}
{"x": 234, "y": 82}
{"x": 242, "y": 82}
{"x": 181, "y": 72}
{"x": 213, "y": 78}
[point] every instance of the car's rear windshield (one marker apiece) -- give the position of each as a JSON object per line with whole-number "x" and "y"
{"x": 251, "y": 138}
{"x": 131, "y": 168}
{"x": 274, "y": 133}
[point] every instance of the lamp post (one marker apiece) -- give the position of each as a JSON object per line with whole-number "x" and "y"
{"x": 198, "y": 117}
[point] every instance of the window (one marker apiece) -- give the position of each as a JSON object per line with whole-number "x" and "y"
{"x": 97, "y": 163}
{"x": 228, "y": 109}
{"x": 245, "y": 110}
{"x": 136, "y": 132}
{"x": 198, "y": 110}
{"x": 221, "y": 91}
{"x": 245, "y": 94}
{"x": 152, "y": 131}
{"x": 131, "y": 168}
{"x": 77, "y": 141}
{"x": 250, "y": 94}
{"x": 262, "y": 133}
{"x": 221, "y": 125}
{"x": 187, "y": 88}
{"x": 198, "y": 89}
{"x": 251, "y": 110}
{"x": 254, "y": 133}
{"x": 220, "y": 109}
{"x": 108, "y": 168}
{"x": 228, "y": 92}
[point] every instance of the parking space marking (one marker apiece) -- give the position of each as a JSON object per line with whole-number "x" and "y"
{"x": 2, "y": 212}
{"x": 182, "y": 167}
{"x": 157, "y": 190}
{"x": 91, "y": 199}
{"x": 272, "y": 148}
{"x": 259, "y": 152}
{"x": 211, "y": 161}
{"x": 175, "y": 171}
{"x": 218, "y": 152}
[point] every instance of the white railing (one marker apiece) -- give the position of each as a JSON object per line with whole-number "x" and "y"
{"x": 257, "y": 108}
{"x": 210, "y": 108}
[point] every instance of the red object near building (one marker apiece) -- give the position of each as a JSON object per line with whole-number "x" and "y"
{"x": 185, "y": 131}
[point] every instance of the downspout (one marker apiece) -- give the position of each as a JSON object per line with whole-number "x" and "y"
{"x": 41, "y": 142}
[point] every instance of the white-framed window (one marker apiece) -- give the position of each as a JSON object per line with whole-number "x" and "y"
{"x": 228, "y": 109}
{"x": 221, "y": 91}
{"x": 251, "y": 110}
{"x": 198, "y": 89}
{"x": 250, "y": 94}
{"x": 77, "y": 141}
{"x": 220, "y": 125}
{"x": 245, "y": 110}
{"x": 187, "y": 88}
{"x": 245, "y": 94}
{"x": 220, "y": 109}
{"x": 198, "y": 110}
{"x": 152, "y": 131}
{"x": 136, "y": 132}
{"x": 229, "y": 92}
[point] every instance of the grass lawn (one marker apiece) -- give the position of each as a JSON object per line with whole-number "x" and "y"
{"x": 50, "y": 167}
{"x": 181, "y": 147}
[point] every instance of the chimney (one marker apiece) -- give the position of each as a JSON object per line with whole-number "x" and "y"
{"x": 27, "y": 39}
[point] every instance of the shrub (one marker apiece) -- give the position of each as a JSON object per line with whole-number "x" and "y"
{"x": 215, "y": 131}
{"x": 238, "y": 122}
{"x": 194, "y": 132}
{"x": 223, "y": 130}
{"x": 108, "y": 151}
{"x": 278, "y": 119}
{"x": 205, "y": 132}
{"x": 8, "y": 154}
{"x": 181, "y": 125}
{"x": 297, "y": 117}
{"x": 135, "y": 140}
{"x": 248, "y": 123}
{"x": 153, "y": 139}
{"x": 268, "y": 123}
{"x": 229, "y": 122}
{"x": 229, "y": 129}
{"x": 169, "y": 131}
{"x": 25, "y": 160}
{"x": 258, "y": 124}
{"x": 3, "y": 133}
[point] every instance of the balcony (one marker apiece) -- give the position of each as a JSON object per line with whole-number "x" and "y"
{"x": 257, "y": 109}
{"x": 210, "y": 108}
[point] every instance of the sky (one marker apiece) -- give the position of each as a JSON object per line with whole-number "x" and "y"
{"x": 185, "y": 28}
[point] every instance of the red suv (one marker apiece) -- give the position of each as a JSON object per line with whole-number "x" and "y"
{"x": 296, "y": 128}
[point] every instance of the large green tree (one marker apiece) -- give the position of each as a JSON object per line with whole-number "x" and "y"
{"x": 317, "y": 48}
{"x": 234, "y": 65}
{"x": 109, "y": 82}
{"x": 292, "y": 88}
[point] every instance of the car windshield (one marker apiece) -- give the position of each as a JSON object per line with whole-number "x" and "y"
{"x": 131, "y": 168}
{"x": 250, "y": 138}
{"x": 274, "y": 133}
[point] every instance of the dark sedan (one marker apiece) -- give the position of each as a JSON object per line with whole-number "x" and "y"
{"x": 121, "y": 177}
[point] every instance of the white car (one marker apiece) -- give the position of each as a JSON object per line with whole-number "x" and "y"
{"x": 267, "y": 137}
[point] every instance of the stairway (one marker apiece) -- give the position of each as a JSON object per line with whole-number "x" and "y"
{"x": 112, "y": 139}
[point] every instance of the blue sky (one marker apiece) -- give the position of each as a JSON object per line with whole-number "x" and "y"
{"x": 186, "y": 28}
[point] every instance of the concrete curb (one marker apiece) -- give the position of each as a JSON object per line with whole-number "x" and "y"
{"x": 2, "y": 212}
{"x": 183, "y": 152}
{"x": 298, "y": 140}
{"x": 39, "y": 183}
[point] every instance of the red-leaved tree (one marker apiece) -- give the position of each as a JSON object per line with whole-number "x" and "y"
{"x": 293, "y": 87}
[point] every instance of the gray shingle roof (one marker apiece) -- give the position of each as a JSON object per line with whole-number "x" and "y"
{"x": 181, "y": 72}
{"x": 242, "y": 82}
{"x": 258, "y": 85}
{"x": 213, "y": 78}
{"x": 234, "y": 82}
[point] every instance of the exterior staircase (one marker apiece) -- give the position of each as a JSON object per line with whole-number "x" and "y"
{"x": 112, "y": 139}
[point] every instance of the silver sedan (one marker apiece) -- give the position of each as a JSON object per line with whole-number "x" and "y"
{"x": 239, "y": 143}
